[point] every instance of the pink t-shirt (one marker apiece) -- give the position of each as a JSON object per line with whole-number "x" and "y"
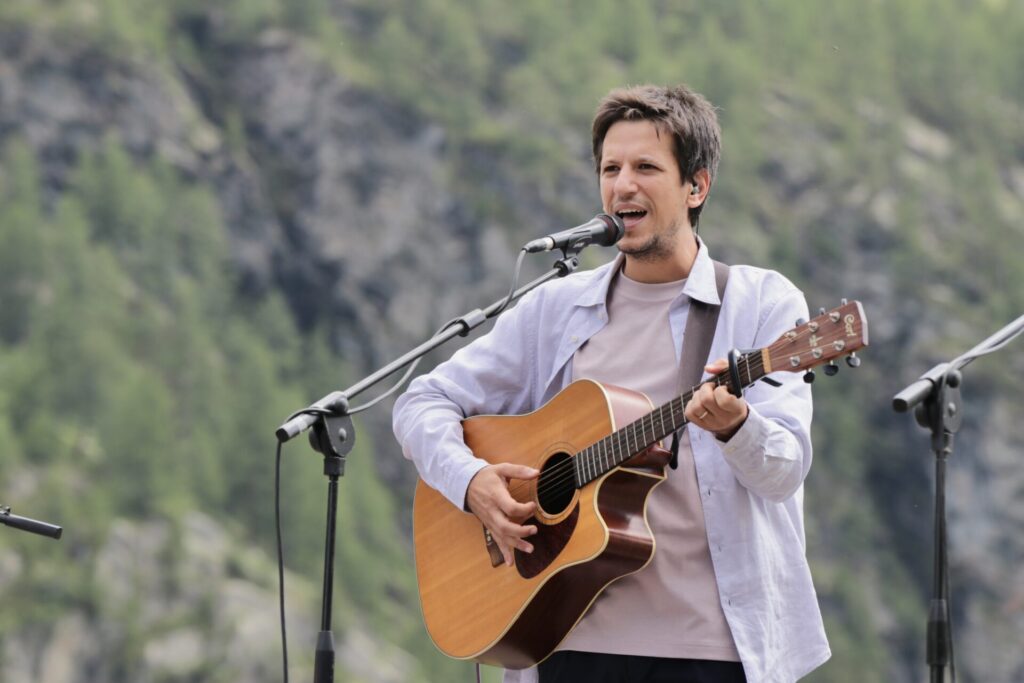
{"x": 671, "y": 608}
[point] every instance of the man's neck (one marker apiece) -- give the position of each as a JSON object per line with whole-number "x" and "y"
{"x": 674, "y": 266}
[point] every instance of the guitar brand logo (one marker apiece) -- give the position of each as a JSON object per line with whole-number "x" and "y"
{"x": 849, "y": 320}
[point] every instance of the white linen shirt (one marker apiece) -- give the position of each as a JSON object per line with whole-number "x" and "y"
{"x": 751, "y": 486}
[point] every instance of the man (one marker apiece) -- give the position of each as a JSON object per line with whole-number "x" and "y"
{"x": 728, "y": 595}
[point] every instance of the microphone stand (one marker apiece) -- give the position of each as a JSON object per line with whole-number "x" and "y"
{"x": 938, "y": 406}
{"x": 30, "y": 525}
{"x": 333, "y": 436}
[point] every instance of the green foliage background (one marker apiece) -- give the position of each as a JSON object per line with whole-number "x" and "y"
{"x": 136, "y": 380}
{"x": 136, "y": 383}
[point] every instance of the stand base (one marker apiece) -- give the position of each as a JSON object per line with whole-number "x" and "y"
{"x": 323, "y": 668}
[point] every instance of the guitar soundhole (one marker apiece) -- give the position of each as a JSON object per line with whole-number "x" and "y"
{"x": 557, "y": 484}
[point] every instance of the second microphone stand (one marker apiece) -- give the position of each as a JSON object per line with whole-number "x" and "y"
{"x": 938, "y": 406}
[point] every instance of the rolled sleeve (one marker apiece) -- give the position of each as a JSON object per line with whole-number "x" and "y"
{"x": 436, "y": 447}
{"x": 765, "y": 457}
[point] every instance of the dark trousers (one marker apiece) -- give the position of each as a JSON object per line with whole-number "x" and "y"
{"x": 569, "y": 666}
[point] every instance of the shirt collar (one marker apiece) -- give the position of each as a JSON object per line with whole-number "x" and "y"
{"x": 700, "y": 284}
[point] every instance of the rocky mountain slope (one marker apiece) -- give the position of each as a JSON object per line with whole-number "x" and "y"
{"x": 377, "y": 221}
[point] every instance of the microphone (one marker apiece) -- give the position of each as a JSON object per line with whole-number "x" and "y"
{"x": 603, "y": 229}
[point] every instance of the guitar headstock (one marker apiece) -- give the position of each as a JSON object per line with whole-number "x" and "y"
{"x": 833, "y": 334}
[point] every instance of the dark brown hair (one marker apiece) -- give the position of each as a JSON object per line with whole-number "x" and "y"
{"x": 684, "y": 114}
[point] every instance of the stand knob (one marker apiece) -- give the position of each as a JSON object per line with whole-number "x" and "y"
{"x": 809, "y": 376}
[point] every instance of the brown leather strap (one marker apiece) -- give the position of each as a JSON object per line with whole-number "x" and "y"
{"x": 701, "y": 322}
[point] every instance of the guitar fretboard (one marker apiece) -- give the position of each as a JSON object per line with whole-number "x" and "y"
{"x": 623, "y": 444}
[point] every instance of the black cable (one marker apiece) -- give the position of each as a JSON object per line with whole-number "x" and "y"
{"x": 512, "y": 289}
{"x": 353, "y": 411}
{"x": 397, "y": 385}
{"x": 280, "y": 558}
{"x": 949, "y": 601}
{"x": 975, "y": 353}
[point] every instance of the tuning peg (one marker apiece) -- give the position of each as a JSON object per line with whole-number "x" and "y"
{"x": 831, "y": 369}
{"x": 800, "y": 321}
{"x": 842, "y": 302}
{"x": 809, "y": 376}
{"x": 853, "y": 360}
{"x": 821, "y": 311}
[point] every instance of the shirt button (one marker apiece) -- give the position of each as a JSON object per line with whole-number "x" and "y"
{"x": 575, "y": 338}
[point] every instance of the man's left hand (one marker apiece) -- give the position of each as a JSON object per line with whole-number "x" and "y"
{"x": 714, "y": 408}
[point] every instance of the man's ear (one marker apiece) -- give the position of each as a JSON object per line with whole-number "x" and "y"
{"x": 699, "y": 186}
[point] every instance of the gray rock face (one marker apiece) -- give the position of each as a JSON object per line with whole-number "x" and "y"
{"x": 150, "y": 596}
{"x": 359, "y": 190}
{"x": 155, "y": 599}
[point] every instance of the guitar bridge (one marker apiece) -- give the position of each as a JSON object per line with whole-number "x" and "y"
{"x": 492, "y": 549}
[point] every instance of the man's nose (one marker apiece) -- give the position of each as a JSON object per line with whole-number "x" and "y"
{"x": 625, "y": 183}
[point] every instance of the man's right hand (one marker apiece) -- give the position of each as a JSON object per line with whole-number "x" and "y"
{"x": 488, "y": 498}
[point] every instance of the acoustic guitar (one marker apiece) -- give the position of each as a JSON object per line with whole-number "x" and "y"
{"x": 597, "y": 449}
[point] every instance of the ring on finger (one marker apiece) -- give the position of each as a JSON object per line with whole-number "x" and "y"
{"x": 701, "y": 417}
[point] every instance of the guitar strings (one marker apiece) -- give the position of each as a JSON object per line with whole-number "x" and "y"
{"x": 557, "y": 479}
{"x": 560, "y": 479}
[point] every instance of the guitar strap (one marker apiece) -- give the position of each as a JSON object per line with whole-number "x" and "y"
{"x": 700, "y": 330}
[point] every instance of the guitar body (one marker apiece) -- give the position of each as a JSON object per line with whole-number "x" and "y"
{"x": 476, "y": 607}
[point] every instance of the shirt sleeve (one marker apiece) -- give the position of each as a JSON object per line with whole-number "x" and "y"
{"x": 770, "y": 454}
{"x": 489, "y": 376}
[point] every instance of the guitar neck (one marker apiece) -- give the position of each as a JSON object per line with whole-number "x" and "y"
{"x": 623, "y": 444}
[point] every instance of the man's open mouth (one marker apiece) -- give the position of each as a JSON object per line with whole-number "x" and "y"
{"x": 631, "y": 217}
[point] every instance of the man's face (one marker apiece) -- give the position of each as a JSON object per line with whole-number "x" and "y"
{"x": 640, "y": 183}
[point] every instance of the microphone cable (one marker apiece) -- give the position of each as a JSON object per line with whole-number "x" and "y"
{"x": 280, "y": 558}
{"x": 512, "y": 289}
{"x": 353, "y": 411}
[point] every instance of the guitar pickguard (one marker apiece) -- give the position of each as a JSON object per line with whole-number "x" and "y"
{"x": 549, "y": 540}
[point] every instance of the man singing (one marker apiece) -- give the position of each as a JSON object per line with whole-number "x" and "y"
{"x": 728, "y": 595}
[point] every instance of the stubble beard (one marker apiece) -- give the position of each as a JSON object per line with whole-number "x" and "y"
{"x": 658, "y": 247}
